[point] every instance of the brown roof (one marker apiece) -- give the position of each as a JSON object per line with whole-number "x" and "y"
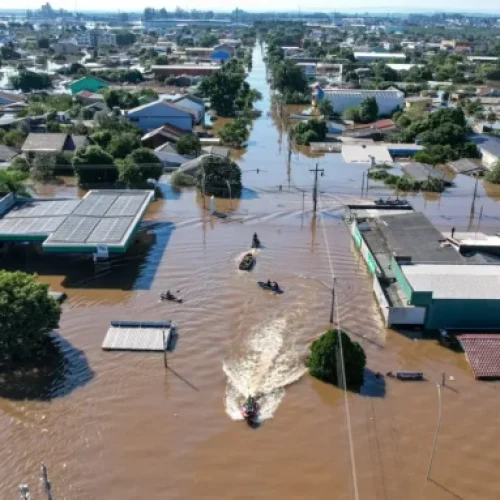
{"x": 483, "y": 353}
{"x": 52, "y": 143}
{"x": 167, "y": 130}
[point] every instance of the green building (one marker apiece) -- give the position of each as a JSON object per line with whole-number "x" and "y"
{"x": 88, "y": 83}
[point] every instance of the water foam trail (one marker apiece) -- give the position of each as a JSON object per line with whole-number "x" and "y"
{"x": 267, "y": 362}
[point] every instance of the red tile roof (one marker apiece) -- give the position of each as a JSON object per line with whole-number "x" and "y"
{"x": 483, "y": 353}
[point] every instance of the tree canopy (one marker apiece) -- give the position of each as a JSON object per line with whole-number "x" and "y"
{"x": 31, "y": 80}
{"x": 313, "y": 130}
{"x": 188, "y": 145}
{"x": 93, "y": 165}
{"x": 234, "y": 133}
{"x": 368, "y": 110}
{"x": 322, "y": 363}
{"x": 216, "y": 173}
{"x": 29, "y": 314}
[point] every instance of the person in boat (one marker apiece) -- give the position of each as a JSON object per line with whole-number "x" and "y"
{"x": 255, "y": 241}
{"x": 168, "y": 296}
{"x": 269, "y": 284}
{"x": 251, "y": 404}
{"x": 275, "y": 286}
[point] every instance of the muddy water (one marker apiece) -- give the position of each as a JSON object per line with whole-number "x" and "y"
{"x": 119, "y": 426}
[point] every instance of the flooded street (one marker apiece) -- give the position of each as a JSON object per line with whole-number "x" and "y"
{"x": 120, "y": 426}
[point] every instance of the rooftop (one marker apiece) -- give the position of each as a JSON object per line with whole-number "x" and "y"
{"x": 487, "y": 142}
{"x": 102, "y": 217}
{"x": 483, "y": 353}
{"x": 455, "y": 281}
{"x": 413, "y": 235}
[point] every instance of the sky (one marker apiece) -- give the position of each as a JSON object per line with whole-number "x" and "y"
{"x": 484, "y": 6}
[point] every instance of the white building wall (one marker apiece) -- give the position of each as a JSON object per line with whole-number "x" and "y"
{"x": 387, "y": 101}
{"x": 488, "y": 159}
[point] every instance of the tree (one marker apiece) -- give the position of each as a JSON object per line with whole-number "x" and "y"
{"x": 313, "y": 130}
{"x": 124, "y": 38}
{"x": 12, "y": 181}
{"x": 216, "y": 173}
{"x": 43, "y": 43}
{"x": 30, "y": 80}
{"x": 325, "y": 108}
{"x": 43, "y": 167}
{"x": 368, "y": 110}
{"x": 180, "y": 179}
{"x": 93, "y": 165}
{"x": 351, "y": 114}
{"x": 122, "y": 145}
{"x": 493, "y": 174}
{"x": 188, "y": 145}
{"x": 20, "y": 164}
{"x": 234, "y": 134}
{"x": 148, "y": 163}
{"x": 29, "y": 314}
{"x": 322, "y": 363}
{"x": 14, "y": 138}
{"x": 120, "y": 98}
{"x": 288, "y": 77}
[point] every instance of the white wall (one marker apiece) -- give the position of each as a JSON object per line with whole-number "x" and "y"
{"x": 488, "y": 160}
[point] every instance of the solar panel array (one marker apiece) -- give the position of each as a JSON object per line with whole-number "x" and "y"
{"x": 95, "y": 205}
{"x": 110, "y": 230}
{"x": 126, "y": 206}
{"x": 43, "y": 208}
{"x": 101, "y": 217}
{"x": 74, "y": 230}
{"x": 27, "y": 225}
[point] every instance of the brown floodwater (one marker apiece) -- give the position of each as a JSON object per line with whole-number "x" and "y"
{"x": 121, "y": 426}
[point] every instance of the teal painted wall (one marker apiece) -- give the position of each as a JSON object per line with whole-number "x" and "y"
{"x": 365, "y": 251}
{"x": 463, "y": 313}
{"x": 405, "y": 286}
{"x": 88, "y": 83}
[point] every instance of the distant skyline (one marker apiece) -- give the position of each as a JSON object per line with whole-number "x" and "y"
{"x": 372, "y": 6}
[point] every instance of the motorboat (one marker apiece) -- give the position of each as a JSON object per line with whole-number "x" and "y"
{"x": 271, "y": 288}
{"x": 407, "y": 375}
{"x": 170, "y": 297}
{"x": 247, "y": 262}
{"x": 250, "y": 409}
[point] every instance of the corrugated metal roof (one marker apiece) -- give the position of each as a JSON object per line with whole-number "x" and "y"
{"x": 483, "y": 353}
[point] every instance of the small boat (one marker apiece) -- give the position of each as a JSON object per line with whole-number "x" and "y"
{"x": 170, "y": 298}
{"x": 270, "y": 288}
{"x": 250, "y": 410}
{"x": 247, "y": 262}
{"x": 407, "y": 375}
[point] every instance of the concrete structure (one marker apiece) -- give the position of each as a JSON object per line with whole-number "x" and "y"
{"x": 308, "y": 68}
{"x": 103, "y": 221}
{"x": 377, "y": 56}
{"x": 95, "y": 38}
{"x": 138, "y": 336}
{"x": 342, "y": 99}
{"x": 155, "y": 114}
{"x": 419, "y": 275}
{"x": 489, "y": 147}
{"x": 163, "y": 71}
{"x": 418, "y": 103}
{"x": 88, "y": 83}
{"x": 365, "y": 153}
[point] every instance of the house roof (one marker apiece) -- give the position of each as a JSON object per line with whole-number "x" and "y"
{"x": 12, "y": 97}
{"x": 168, "y": 131}
{"x": 6, "y": 153}
{"x": 163, "y": 103}
{"x": 483, "y": 353}
{"x": 487, "y": 143}
{"x": 52, "y": 142}
{"x": 191, "y": 97}
{"x": 83, "y": 78}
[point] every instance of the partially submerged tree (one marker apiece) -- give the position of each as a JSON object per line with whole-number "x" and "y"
{"x": 188, "y": 145}
{"x": 29, "y": 314}
{"x": 93, "y": 166}
{"x": 325, "y": 356}
{"x": 43, "y": 167}
{"x": 325, "y": 108}
{"x": 219, "y": 176}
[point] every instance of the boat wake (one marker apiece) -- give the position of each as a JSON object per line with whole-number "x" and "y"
{"x": 265, "y": 362}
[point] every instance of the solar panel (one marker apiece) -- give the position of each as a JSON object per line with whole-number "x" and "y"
{"x": 43, "y": 209}
{"x": 110, "y": 230}
{"x": 74, "y": 230}
{"x": 126, "y": 205}
{"x": 30, "y": 225}
{"x": 95, "y": 205}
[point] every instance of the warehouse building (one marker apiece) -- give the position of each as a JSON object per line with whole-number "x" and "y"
{"x": 420, "y": 277}
{"x": 341, "y": 99}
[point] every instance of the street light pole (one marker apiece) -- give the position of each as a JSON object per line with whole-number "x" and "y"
{"x": 437, "y": 430}
{"x": 333, "y": 302}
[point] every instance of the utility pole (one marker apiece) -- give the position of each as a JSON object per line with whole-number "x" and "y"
{"x": 315, "y": 188}
{"x": 438, "y": 387}
{"x": 46, "y": 482}
{"x": 474, "y": 196}
{"x": 333, "y": 301}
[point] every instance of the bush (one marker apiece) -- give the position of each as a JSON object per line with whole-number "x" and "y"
{"x": 493, "y": 175}
{"x": 322, "y": 363}
{"x": 43, "y": 167}
{"x": 180, "y": 179}
{"x": 29, "y": 314}
{"x": 94, "y": 166}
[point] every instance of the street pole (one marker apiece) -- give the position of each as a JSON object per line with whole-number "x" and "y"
{"x": 315, "y": 188}
{"x": 333, "y": 301}
{"x": 230, "y": 197}
{"x": 363, "y": 185}
{"x": 46, "y": 482}
{"x": 303, "y": 200}
{"x": 472, "y": 207}
{"x": 437, "y": 431}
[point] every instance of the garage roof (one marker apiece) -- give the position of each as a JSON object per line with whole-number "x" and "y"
{"x": 455, "y": 281}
